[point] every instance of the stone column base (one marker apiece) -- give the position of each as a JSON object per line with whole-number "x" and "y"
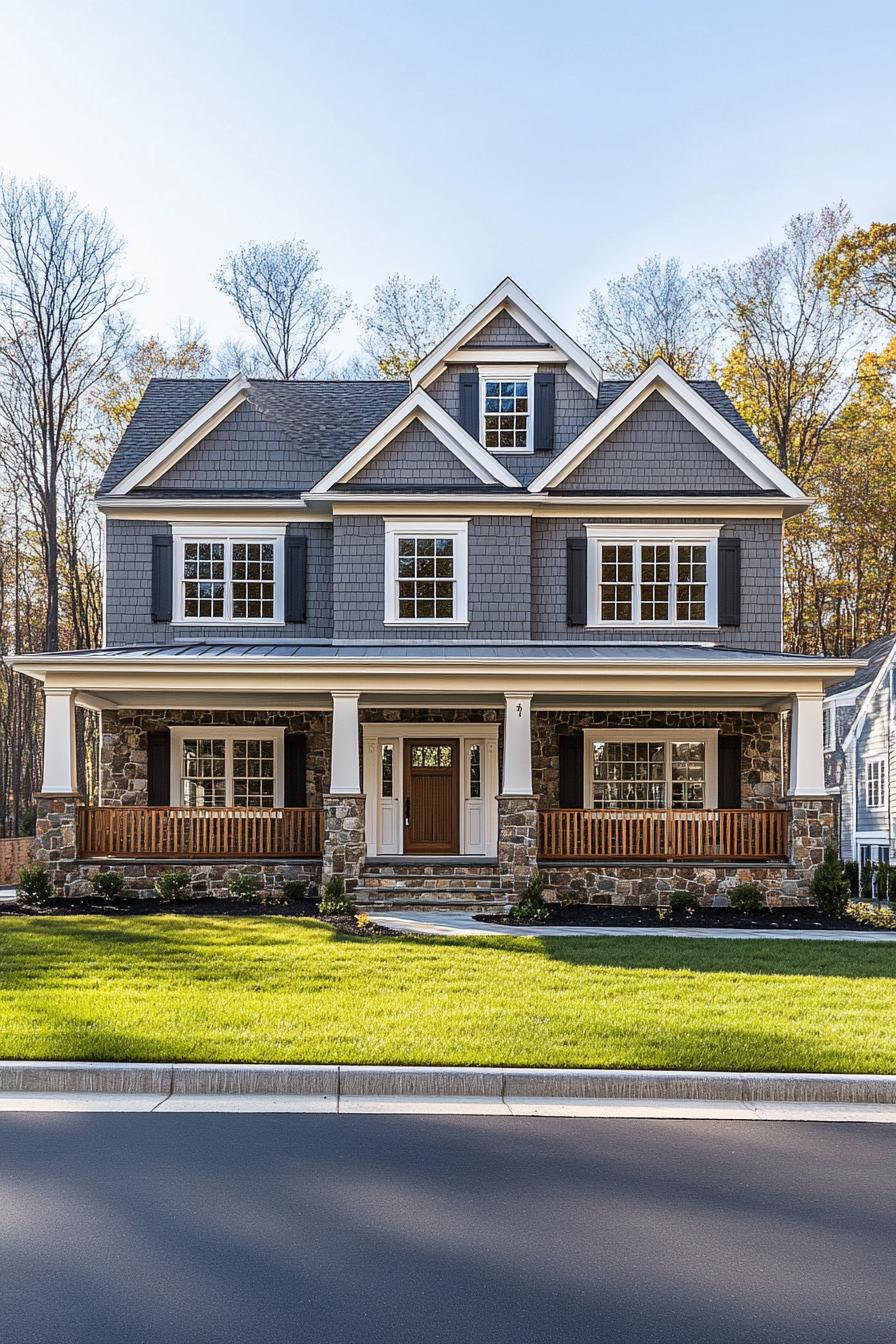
{"x": 811, "y": 831}
{"x": 517, "y": 843}
{"x": 55, "y": 836}
{"x": 345, "y": 846}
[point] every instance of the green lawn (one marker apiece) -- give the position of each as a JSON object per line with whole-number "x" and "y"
{"x": 171, "y": 988}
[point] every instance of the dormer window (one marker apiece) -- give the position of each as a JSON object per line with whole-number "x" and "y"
{"x": 505, "y": 399}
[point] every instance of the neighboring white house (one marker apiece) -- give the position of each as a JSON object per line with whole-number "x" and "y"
{"x": 860, "y": 754}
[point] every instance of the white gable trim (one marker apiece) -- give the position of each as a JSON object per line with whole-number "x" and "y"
{"x": 659, "y": 377}
{"x": 508, "y": 295}
{"x": 178, "y": 444}
{"x": 852, "y": 732}
{"x": 418, "y": 406}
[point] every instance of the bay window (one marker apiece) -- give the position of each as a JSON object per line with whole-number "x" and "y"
{"x": 652, "y": 576}
{"x": 230, "y": 575}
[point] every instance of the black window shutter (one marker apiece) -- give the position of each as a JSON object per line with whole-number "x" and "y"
{"x": 469, "y": 403}
{"x": 572, "y": 770}
{"x": 162, "y": 577}
{"x": 576, "y": 580}
{"x": 729, "y": 580}
{"x": 543, "y": 430}
{"x": 158, "y": 768}
{"x": 295, "y": 792}
{"x": 729, "y": 770}
{"x": 296, "y": 578}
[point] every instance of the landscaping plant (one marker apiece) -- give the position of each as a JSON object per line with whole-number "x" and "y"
{"x": 851, "y": 869}
{"x": 295, "y": 889}
{"x": 830, "y": 885}
{"x": 243, "y": 886}
{"x": 107, "y": 885}
{"x": 173, "y": 885}
{"x": 747, "y": 897}
{"x": 866, "y": 882}
{"x": 875, "y": 916}
{"x": 334, "y": 899}
{"x": 531, "y": 908}
{"x": 684, "y": 902}
{"x": 35, "y": 882}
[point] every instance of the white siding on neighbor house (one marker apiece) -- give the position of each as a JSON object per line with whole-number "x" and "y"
{"x": 875, "y": 740}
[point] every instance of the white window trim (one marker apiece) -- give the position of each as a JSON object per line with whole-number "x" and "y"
{"x": 876, "y": 772}
{"x": 268, "y": 533}
{"x": 456, "y": 528}
{"x": 600, "y": 534}
{"x": 245, "y": 732}
{"x": 519, "y": 373}
{"x": 708, "y": 736}
{"x": 829, "y": 728}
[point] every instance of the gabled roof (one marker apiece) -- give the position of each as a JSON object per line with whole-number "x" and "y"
{"x": 739, "y": 447}
{"x": 880, "y": 656}
{"x": 419, "y": 406}
{"x": 509, "y": 297}
{"x": 325, "y": 417}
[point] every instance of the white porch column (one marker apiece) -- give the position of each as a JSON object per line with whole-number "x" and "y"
{"x": 60, "y": 772}
{"x": 517, "y": 745}
{"x": 345, "y": 769}
{"x": 806, "y": 751}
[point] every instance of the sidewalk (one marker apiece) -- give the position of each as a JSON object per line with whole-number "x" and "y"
{"x": 453, "y": 926}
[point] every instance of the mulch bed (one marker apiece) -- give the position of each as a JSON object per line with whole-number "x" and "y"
{"x": 214, "y": 906}
{"x": 707, "y": 917}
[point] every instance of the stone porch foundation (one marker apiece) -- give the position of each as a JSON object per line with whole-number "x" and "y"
{"x": 345, "y": 846}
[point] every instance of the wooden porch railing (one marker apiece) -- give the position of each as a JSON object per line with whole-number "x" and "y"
{"x": 200, "y": 832}
{"x": 711, "y": 833}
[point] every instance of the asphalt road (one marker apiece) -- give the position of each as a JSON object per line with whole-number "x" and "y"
{"x": 231, "y": 1229}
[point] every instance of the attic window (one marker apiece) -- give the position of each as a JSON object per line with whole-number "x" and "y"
{"x": 506, "y": 401}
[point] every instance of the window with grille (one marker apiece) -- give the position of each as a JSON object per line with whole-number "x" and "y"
{"x": 231, "y": 579}
{"x": 506, "y": 414}
{"x": 642, "y": 581}
{"x": 227, "y": 767}
{"x": 253, "y": 772}
{"x": 649, "y": 773}
{"x": 426, "y": 572}
{"x": 875, "y": 782}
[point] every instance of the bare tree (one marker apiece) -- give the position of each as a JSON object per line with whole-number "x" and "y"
{"x": 233, "y": 357}
{"x": 277, "y": 290}
{"x": 659, "y": 310}
{"x": 61, "y": 330}
{"x": 792, "y": 364}
{"x": 405, "y": 321}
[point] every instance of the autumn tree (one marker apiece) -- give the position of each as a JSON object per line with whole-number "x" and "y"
{"x": 861, "y": 264}
{"x": 278, "y": 292}
{"x": 657, "y": 311}
{"x": 790, "y": 367}
{"x": 405, "y": 321}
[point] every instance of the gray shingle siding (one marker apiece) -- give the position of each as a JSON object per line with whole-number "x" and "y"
{"x": 415, "y": 457}
{"x": 656, "y": 448}
{"x": 245, "y": 452}
{"x": 574, "y": 409}
{"x": 129, "y": 589}
{"x": 498, "y": 595}
{"x": 502, "y": 330}
{"x": 760, "y": 626}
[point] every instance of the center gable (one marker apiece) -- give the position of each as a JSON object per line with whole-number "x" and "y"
{"x": 655, "y": 451}
{"x": 415, "y": 458}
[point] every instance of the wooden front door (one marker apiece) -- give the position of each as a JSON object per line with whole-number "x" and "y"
{"x": 431, "y": 796}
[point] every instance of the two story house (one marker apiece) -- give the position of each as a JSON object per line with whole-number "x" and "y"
{"x": 859, "y": 737}
{"x": 439, "y": 634}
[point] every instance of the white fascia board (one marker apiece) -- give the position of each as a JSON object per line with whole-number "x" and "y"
{"x": 179, "y": 443}
{"x": 659, "y": 377}
{"x": 165, "y": 506}
{"x": 530, "y": 317}
{"x": 420, "y": 406}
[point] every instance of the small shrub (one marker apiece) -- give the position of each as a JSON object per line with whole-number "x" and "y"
{"x": 830, "y": 885}
{"x": 107, "y": 885}
{"x": 35, "y": 882}
{"x": 875, "y": 916}
{"x": 28, "y": 821}
{"x": 334, "y": 898}
{"x": 173, "y": 885}
{"x": 295, "y": 889}
{"x": 851, "y": 872}
{"x": 243, "y": 886}
{"x": 866, "y": 882}
{"x": 886, "y": 882}
{"x": 684, "y": 902}
{"x": 531, "y": 908}
{"x": 747, "y": 897}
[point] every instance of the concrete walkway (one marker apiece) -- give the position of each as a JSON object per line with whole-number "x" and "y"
{"x": 464, "y": 926}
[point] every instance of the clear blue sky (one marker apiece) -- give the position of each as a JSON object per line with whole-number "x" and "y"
{"x": 560, "y": 142}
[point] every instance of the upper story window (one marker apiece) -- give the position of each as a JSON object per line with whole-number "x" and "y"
{"x": 875, "y": 782}
{"x": 426, "y": 571}
{"x": 829, "y": 728}
{"x": 652, "y": 577}
{"x": 229, "y": 576}
{"x": 506, "y": 402}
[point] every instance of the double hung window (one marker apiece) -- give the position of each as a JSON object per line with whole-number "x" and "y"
{"x": 505, "y": 400}
{"x": 875, "y": 782}
{"x": 426, "y": 572}
{"x": 652, "y": 577}
{"x": 232, "y": 577}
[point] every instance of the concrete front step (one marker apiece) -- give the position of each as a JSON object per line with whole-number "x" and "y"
{"x": 482, "y": 901}
{"x": 415, "y": 906}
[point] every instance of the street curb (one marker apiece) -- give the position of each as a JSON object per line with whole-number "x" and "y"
{"x": 369, "y": 1083}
